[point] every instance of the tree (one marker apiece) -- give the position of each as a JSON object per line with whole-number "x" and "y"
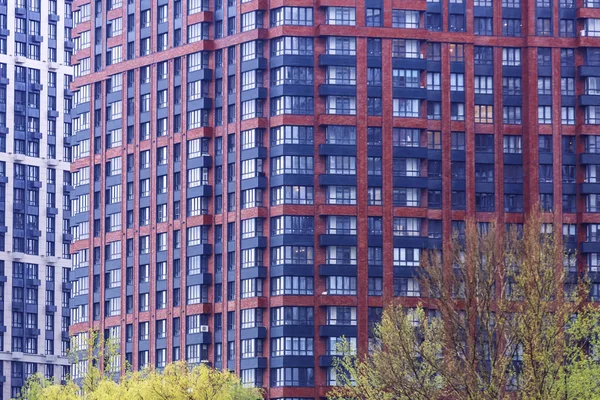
{"x": 100, "y": 381}
{"x": 178, "y": 381}
{"x": 494, "y": 323}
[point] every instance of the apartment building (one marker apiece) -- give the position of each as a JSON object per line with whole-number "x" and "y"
{"x": 256, "y": 179}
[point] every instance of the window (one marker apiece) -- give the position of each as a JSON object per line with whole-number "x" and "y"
{"x": 374, "y": 47}
{"x": 406, "y": 108}
{"x": 434, "y": 110}
{"x": 338, "y": 315}
{"x": 511, "y": 86}
{"x": 292, "y": 376}
{"x": 292, "y": 315}
{"x": 375, "y": 286}
{"x": 407, "y": 167}
{"x": 566, "y": 28}
{"x": 197, "y": 32}
{"x": 483, "y": 55}
{"x": 292, "y": 195}
{"x": 409, "y": 78}
{"x": 405, "y": 19}
{"x": 292, "y": 255}
{"x": 292, "y": 16}
{"x": 511, "y": 27}
{"x": 292, "y": 75}
{"x": 340, "y": 16}
{"x": 373, "y": 17}
{"x": 407, "y": 226}
{"x": 545, "y": 86}
{"x": 457, "y": 111}
{"x": 456, "y": 23}
{"x": 567, "y": 115}
{"x": 592, "y": 115}
{"x": 197, "y": 61}
{"x": 341, "y": 195}
{"x": 483, "y": 26}
{"x": 406, "y": 257}
{"x": 433, "y": 21}
{"x": 511, "y": 115}
{"x": 340, "y": 134}
{"x": 457, "y": 82}
{"x": 292, "y": 346}
{"x": 406, "y": 197}
{"x": 292, "y": 285}
{"x": 511, "y": 56}
{"x": 406, "y": 287}
{"x": 292, "y": 165}
{"x": 197, "y": 294}
{"x": 290, "y": 45}
{"x": 345, "y": 105}
{"x": 434, "y": 140}
{"x": 252, "y": 50}
{"x": 433, "y": 81}
{"x": 301, "y": 105}
{"x": 512, "y": 144}
{"x": 338, "y": 75}
{"x": 406, "y": 137}
{"x": 484, "y": 114}
{"x": 544, "y": 114}
{"x": 340, "y": 45}
{"x": 252, "y": 20}
{"x": 457, "y": 53}
{"x": 543, "y": 27}
{"x": 405, "y": 48}
{"x": 484, "y": 84}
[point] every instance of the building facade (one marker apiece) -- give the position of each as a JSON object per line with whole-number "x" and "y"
{"x": 35, "y": 106}
{"x": 252, "y": 180}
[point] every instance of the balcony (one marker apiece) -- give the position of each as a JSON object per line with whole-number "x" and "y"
{"x": 337, "y": 90}
{"x": 590, "y": 188}
{"x": 199, "y": 191}
{"x": 34, "y": 184}
{"x": 254, "y": 63}
{"x": 329, "y": 179}
{"x": 34, "y": 135}
{"x": 334, "y": 149}
{"x": 19, "y": 108}
{"x": 292, "y": 330}
{"x": 254, "y": 242}
{"x": 590, "y": 98}
{"x": 199, "y": 279}
{"x": 336, "y": 239}
{"x": 36, "y": 87}
{"x": 338, "y": 330}
{"x": 203, "y": 161}
{"x": 590, "y": 247}
{"x": 335, "y": 59}
{"x": 589, "y": 158}
{"x": 420, "y": 242}
{"x": 338, "y": 269}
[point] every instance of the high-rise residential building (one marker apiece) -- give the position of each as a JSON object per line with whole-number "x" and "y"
{"x": 35, "y": 106}
{"x": 254, "y": 180}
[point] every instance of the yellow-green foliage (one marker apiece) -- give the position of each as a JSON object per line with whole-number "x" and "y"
{"x": 177, "y": 381}
{"x": 503, "y": 327}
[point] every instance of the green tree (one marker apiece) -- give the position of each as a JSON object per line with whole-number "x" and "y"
{"x": 101, "y": 380}
{"x": 495, "y": 323}
{"x": 178, "y": 381}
